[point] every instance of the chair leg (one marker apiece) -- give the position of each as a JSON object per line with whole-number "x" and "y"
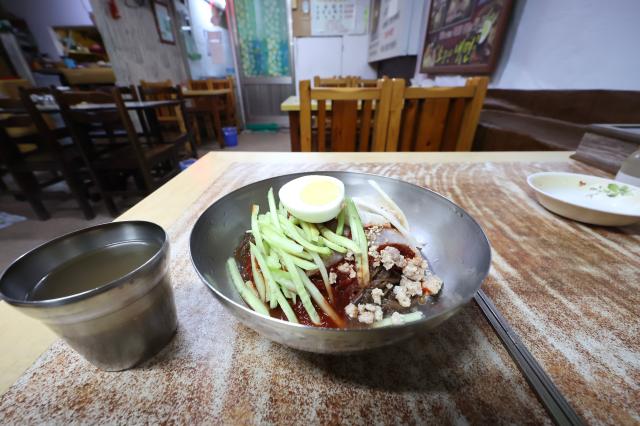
{"x": 192, "y": 144}
{"x": 29, "y": 187}
{"x": 3, "y": 186}
{"x": 140, "y": 183}
{"x": 79, "y": 194}
{"x": 197, "y": 131}
{"x": 108, "y": 200}
{"x": 111, "y": 206}
{"x": 208, "y": 123}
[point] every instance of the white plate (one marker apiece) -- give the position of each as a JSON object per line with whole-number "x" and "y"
{"x": 586, "y": 198}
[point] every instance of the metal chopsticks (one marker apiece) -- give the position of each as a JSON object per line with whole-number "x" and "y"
{"x": 551, "y": 398}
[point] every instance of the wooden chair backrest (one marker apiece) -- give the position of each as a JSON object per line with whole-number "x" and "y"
{"x": 358, "y": 117}
{"x": 435, "y": 118}
{"x": 46, "y": 127}
{"x": 9, "y": 150}
{"x": 198, "y": 84}
{"x": 364, "y": 82}
{"x": 10, "y": 88}
{"x": 128, "y": 93}
{"x": 148, "y": 92}
{"x": 83, "y": 125}
{"x": 230, "y": 98}
{"x": 332, "y": 81}
{"x": 162, "y": 91}
{"x": 10, "y": 153}
{"x": 216, "y": 84}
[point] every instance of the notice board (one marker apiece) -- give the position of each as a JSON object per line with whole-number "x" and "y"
{"x": 464, "y": 36}
{"x": 339, "y": 17}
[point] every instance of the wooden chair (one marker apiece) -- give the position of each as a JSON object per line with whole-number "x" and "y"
{"x": 226, "y": 105}
{"x": 333, "y": 81}
{"x": 185, "y": 132}
{"x": 175, "y": 117}
{"x": 166, "y": 116}
{"x": 435, "y": 118}
{"x": 202, "y": 108}
{"x": 130, "y": 94}
{"x": 150, "y": 165}
{"x": 355, "y": 123}
{"x": 48, "y": 163}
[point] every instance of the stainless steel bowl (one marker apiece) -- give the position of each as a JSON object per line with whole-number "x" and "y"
{"x": 456, "y": 247}
{"x": 114, "y": 326}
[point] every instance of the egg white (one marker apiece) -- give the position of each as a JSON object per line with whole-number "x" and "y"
{"x": 290, "y": 196}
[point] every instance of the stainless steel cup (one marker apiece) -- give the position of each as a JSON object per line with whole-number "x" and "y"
{"x": 114, "y": 326}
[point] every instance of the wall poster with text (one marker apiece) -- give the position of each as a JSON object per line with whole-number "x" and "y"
{"x": 464, "y": 36}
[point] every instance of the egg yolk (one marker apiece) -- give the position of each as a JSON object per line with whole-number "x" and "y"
{"x": 319, "y": 192}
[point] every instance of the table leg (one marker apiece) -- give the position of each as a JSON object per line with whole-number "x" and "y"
{"x": 294, "y": 130}
{"x": 217, "y": 123}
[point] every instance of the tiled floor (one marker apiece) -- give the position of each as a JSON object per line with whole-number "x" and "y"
{"x": 258, "y": 141}
{"x": 66, "y": 217}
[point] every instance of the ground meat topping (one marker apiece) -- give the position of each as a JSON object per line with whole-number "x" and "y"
{"x": 390, "y": 257}
{"x": 432, "y": 284}
{"x": 415, "y": 268}
{"x": 372, "y": 232}
{"x": 351, "y": 310}
{"x": 366, "y": 313}
{"x": 374, "y": 255}
{"x": 347, "y": 268}
{"x": 376, "y": 294}
{"x": 332, "y": 277}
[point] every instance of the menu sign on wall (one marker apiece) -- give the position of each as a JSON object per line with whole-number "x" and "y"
{"x": 339, "y": 17}
{"x": 464, "y": 36}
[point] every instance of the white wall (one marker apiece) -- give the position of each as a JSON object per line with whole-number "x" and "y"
{"x": 42, "y": 15}
{"x": 329, "y": 56}
{"x": 570, "y": 44}
{"x": 134, "y": 47}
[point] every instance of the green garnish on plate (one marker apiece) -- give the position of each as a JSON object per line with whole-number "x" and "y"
{"x": 612, "y": 190}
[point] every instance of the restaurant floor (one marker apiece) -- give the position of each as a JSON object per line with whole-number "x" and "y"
{"x": 66, "y": 217}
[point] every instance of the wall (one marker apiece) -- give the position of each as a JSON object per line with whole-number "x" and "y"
{"x": 329, "y": 56}
{"x": 569, "y": 44}
{"x": 41, "y": 16}
{"x": 134, "y": 47}
{"x": 200, "y": 13}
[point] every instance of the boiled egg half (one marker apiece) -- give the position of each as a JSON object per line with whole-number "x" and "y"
{"x": 313, "y": 198}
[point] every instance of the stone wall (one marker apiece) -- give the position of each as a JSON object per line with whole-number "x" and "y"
{"x": 134, "y": 46}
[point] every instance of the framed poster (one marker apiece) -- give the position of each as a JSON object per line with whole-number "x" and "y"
{"x": 464, "y": 36}
{"x": 164, "y": 23}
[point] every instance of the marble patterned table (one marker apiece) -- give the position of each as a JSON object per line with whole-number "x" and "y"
{"x": 569, "y": 290}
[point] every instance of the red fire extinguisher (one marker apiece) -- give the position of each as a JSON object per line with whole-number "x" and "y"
{"x": 113, "y": 9}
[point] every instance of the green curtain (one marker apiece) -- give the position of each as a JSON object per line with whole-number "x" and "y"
{"x": 263, "y": 36}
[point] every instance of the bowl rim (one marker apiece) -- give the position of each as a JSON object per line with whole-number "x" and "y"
{"x": 537, "y": 189}
{"x": 88, "y": 293}
{"x": 261, "y": 317}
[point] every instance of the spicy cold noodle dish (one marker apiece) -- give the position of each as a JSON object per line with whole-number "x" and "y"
{"x": 318, "y": 258}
